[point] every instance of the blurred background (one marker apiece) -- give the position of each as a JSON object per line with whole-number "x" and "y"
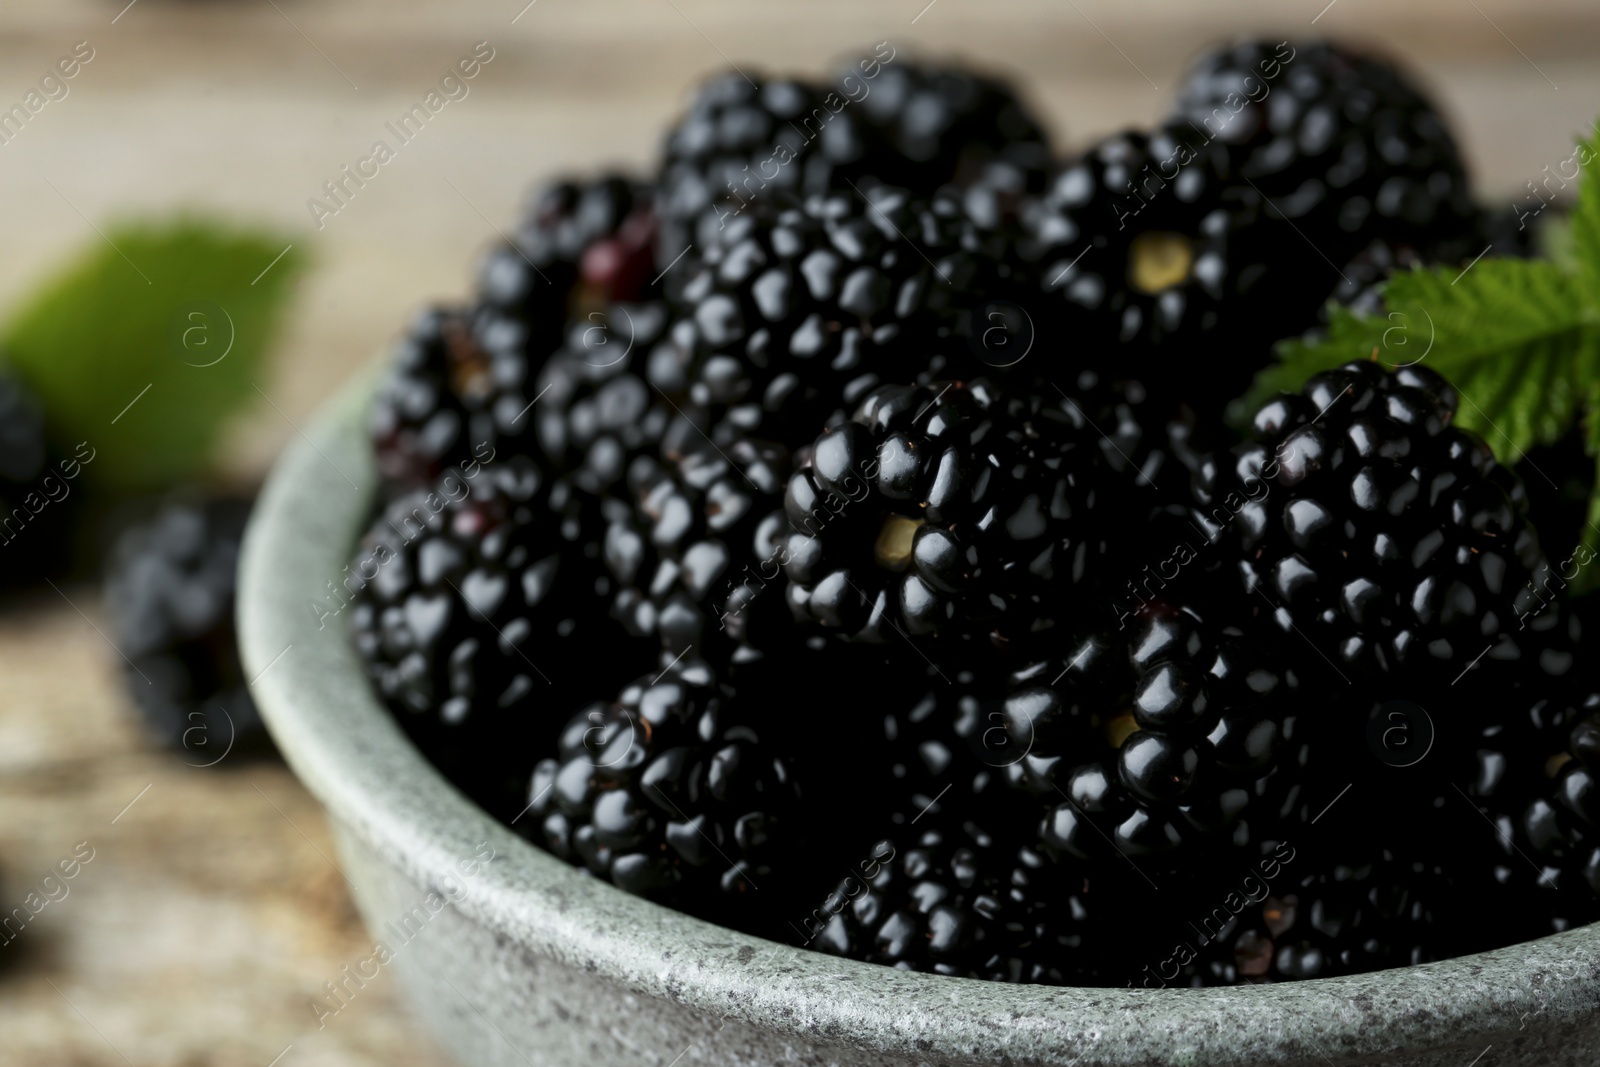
{"x": 211, "y": 910}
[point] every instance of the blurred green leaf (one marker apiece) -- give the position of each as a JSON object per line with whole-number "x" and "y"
{"x": 1586, "y": 217}
{"x": 173, "y": 318}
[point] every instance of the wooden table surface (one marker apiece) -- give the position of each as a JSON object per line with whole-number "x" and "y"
{"x": 211, "y": 911}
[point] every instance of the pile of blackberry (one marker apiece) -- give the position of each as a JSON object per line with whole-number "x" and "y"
{"x": 836, "y": 534}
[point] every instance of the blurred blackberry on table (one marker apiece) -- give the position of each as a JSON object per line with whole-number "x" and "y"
{"x": 1340, "y": 143}
{"x": 669, "y": 792}
{"x": 483, "y": 621}
{"x": 36, "y": 517}
{"x": 169, "y": 598}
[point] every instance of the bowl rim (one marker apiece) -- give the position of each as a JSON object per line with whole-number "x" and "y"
{"x": 350, "y": 754}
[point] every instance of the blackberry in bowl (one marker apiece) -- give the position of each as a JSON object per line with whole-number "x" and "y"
{"x": 562, "y": 962}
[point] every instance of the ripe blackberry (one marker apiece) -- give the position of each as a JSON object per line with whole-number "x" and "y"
{"x": 1341, "y": 143}
{"x": 960, "y": 510}
{"x": 580, "y": 246}
{"x": 958, "y": 898}
{"x": 1374, "y": 913}
{"x": 899, "y": 123}
{"x": 795, "y": 309}
{"x": 1360, "y": 287}
{"x": 1560, "y": 828}
{"x": 459, "y": 379}
{"x": 36, "y": 518}
{"x": 169, "y": 596}
{"x": 695, "y": 549}
{"x": 942, "y": 124}
{"x": 668, "y": 792}
{"x": 740, "y": 137}
{"x": 1178, "y": 732}
{"x": 465, "y": 386}
{"x": 482, "y": 618}
{"x": 1146, "y": 241}
{"x": 1380, "y": 533}
{"x": 589, "y": 410}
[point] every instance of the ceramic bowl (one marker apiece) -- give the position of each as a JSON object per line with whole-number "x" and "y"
{"x": 511, "y": 957}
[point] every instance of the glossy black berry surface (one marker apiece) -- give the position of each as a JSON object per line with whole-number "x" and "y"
{"x": 667, "y": 791}
{"x": 1391, "y": 538}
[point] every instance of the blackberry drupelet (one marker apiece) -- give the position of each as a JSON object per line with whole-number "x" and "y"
{"x": 960, "y": 510}
{"x": 1387, "y": 537}
{"x": 482, "y": 619}
{"x": 169, "y": 596}
{"x": 669, "y": 792}
{"x": 1340, "y": 143}
{"x": 1146, "y": 241}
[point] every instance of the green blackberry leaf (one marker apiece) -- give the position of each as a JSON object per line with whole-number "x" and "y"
{"x": 1519, "y": 339}
{"x": 146, "y": 344}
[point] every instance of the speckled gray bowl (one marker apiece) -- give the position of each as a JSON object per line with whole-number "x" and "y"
{"x": 530, "y": 962}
